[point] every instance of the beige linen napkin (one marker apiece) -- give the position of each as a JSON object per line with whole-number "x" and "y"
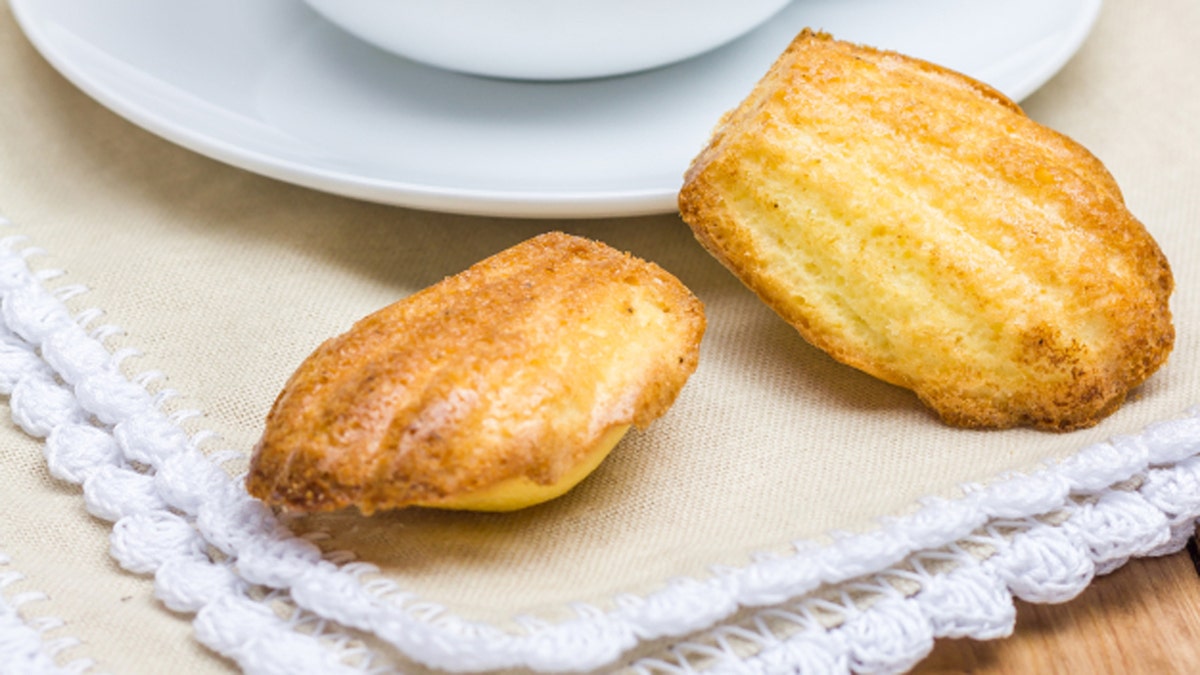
{"x": 224, "y": 281}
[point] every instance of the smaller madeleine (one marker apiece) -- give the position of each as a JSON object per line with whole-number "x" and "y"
{"x": 497, "y": 388}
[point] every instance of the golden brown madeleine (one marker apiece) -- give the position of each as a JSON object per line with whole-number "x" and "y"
{"x": 494, "y": 389}
{"x": 915, "y": 224}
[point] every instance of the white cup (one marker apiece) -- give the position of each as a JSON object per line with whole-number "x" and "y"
{"x": 547, "y": 39}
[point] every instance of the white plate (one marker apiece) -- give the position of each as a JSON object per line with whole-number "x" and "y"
{"x": 270, "y": 87}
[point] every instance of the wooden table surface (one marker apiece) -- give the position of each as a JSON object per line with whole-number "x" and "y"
{"x": 1143, "y": 618}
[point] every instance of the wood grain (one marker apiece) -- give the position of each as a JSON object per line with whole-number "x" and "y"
{"x": 1143, "y": 618}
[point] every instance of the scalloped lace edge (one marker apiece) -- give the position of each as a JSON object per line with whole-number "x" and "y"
{"x": 212, "y": 549}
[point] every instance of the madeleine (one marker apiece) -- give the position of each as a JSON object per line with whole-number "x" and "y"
{"x": 495, "y": 389}
{"x": 917, "y": 225}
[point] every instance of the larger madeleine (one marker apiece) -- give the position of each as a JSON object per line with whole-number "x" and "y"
{"x": 915, "y": 224}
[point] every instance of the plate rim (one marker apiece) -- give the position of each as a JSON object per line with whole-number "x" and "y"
{"x": 471, "y": 201}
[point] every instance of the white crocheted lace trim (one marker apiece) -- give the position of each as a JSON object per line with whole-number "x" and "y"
{"x": 871, "y": 602}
